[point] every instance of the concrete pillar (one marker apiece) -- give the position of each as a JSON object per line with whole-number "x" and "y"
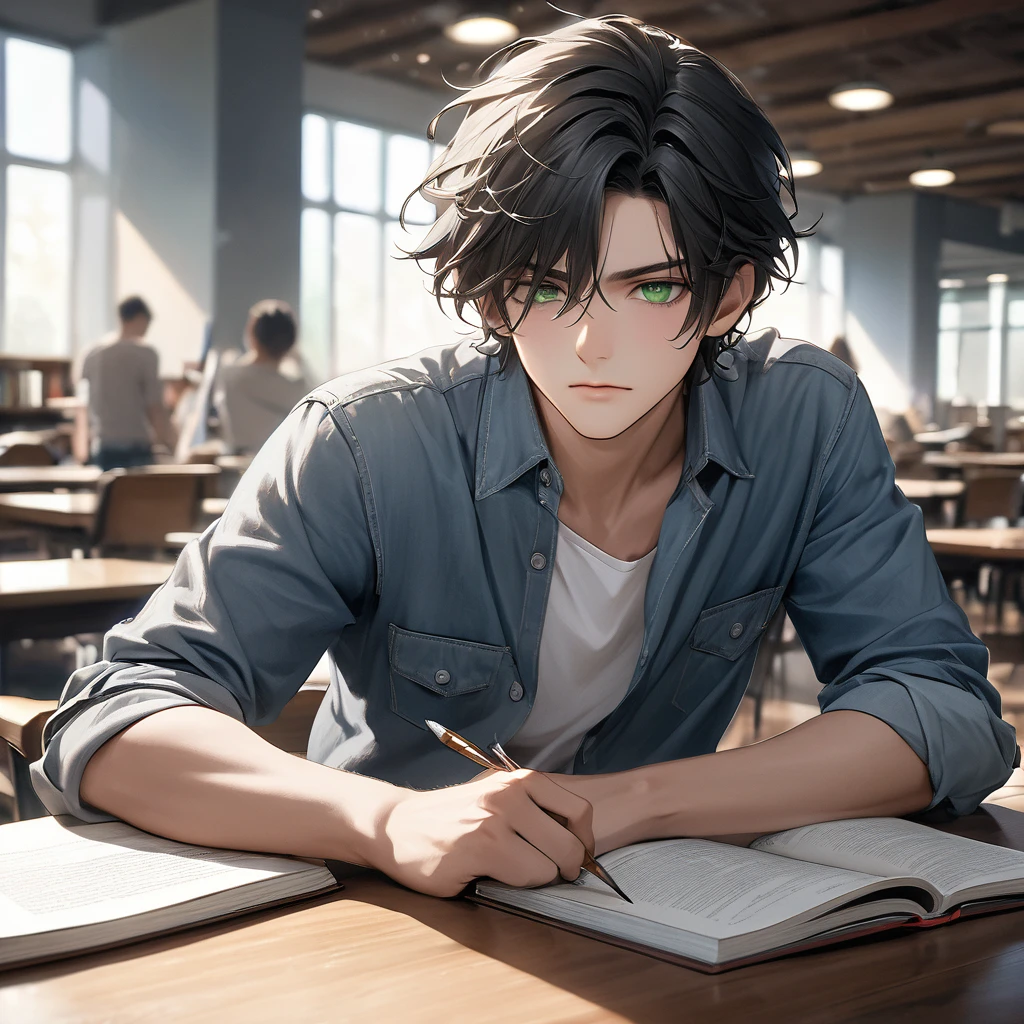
{"x": 892, "y": 246}
{"x": 206, "y": 102}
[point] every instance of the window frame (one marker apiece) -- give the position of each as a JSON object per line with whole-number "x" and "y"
{"x": 332, "y": 208}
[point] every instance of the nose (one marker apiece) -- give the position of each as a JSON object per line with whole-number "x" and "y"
{"x": 594, "y": 342}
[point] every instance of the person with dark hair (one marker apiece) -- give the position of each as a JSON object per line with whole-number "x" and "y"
{"x": 840, "y": 348}
{"x": 254, "y": 394}
{"x": 568, "y": 536}
{"x": 120, "y": 380}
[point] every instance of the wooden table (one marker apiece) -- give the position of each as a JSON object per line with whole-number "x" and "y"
{"x": 957, "y": 461}
{"x": 64, "y": 511}
{"x": 70, "y": 511}
{"x": 377, "y": 952}
{"x": 925, "y": 490}
{"x": 45, "y": 478}
{"x": 1005, "y": 544}
{"x": 62, "y": 596}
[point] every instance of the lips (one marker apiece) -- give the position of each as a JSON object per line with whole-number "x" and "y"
{"x": 616, "y": 387}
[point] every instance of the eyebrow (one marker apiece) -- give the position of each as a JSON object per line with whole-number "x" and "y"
{"x": 622, "y": 275}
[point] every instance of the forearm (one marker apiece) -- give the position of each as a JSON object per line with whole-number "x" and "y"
{"x": 843, "y": 764}
{"x": 199, "y": 776}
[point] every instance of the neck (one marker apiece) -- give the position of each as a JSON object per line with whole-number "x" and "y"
{"x": 603, "y": 475}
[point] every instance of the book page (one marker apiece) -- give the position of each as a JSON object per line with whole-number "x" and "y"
{"x": 892, "y": 846}
{"x": 731, "y": 890}
{"x": 57, "y": 877}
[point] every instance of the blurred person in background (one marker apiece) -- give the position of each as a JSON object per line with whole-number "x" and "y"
{"x": 256, "y": 393}
{"x": 119, "y": 380}
{"x": 840, "y": 348}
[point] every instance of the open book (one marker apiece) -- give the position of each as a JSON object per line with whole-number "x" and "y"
{"x": 67, "y": 886}
{"x": 713, "y": 906}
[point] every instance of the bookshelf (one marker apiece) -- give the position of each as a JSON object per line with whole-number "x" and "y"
{"x": 28, "y": 384}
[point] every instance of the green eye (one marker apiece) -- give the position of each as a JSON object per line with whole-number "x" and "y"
{"x": 546, "y": 293}
{"x": 658, "y": 291}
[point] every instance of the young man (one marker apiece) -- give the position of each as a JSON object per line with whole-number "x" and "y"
{"x": 253, "y": 396}
{"x": 571, "y": 544}
{"x": 125, "y": 397}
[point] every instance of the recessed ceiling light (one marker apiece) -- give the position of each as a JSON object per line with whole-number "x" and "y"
{"x": 316, "y": 14}
{"x": 932, "y": 177}
{"x": 951, "y": 282}
{"x": 860, "y": 96}
{"x": 482, "y": 30}
{"x": 997, "y": 278}
{"x": 1011, "y": 126}
{"x": 804, "y": 164}
{"x": 422, "y": 58}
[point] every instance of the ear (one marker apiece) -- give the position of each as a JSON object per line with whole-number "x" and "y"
{"x": 735, "y": 301}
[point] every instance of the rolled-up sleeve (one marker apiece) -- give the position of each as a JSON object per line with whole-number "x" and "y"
{"x": 874, "y": 615}
{"x": 246, "y": 613}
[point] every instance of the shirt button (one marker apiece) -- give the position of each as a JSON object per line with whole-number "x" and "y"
{"x": 441, "y": 677}
{"x": 124, "y": 622}
{"x": 545, "y": 477}
{"x": 538, "y": 561}
{"x": 516, "y": 690}
{"x": 737, "y": 630}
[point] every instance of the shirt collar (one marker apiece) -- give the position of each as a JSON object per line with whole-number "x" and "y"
{"x": 510, "y": 441}
{"x": 710, "y": 435}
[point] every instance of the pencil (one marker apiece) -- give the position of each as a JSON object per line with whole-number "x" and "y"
{"x": 504, "y": 763}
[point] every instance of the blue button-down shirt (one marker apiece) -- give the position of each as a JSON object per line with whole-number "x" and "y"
{"x": 405, "y": 519}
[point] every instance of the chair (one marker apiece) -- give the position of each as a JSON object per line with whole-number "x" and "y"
{"x": 779, "y": 638}
{"x": 26, "y": 454}
{"x": 989, "y": 494}
{"x": 137, "y": 508}
{"x": 21, "y": 742}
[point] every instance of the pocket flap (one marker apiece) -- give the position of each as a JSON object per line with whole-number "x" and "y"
{"x": 443, "y": 664}
{"x": 729, "y": 629}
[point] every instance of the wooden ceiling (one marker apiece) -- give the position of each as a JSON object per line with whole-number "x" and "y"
{"x": 954, "y": 66}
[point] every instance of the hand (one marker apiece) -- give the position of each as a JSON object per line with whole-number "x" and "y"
{"x": 441, "y": 840}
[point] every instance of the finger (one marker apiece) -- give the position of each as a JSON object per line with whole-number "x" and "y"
{"x": 553, "y": 840}
{"x": 522, "y": 865}
{"x": 577, "y": 811}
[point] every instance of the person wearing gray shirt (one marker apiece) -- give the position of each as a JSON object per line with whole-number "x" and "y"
{"x": 125, "y": 397}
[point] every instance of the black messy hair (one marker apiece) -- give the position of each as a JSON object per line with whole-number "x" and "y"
{"x": 607, "y": 103}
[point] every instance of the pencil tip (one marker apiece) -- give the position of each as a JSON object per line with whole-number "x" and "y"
{"x": 437, "y": 730}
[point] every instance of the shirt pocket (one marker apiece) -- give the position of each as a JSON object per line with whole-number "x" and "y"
{"x": 438, "y": 677}
{"x": 727, "y": 632}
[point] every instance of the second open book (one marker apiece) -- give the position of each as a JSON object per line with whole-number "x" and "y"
{"x": 713, "y": 906}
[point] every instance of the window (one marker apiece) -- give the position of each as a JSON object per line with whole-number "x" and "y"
{"x": 361, "y": 302}
{"x": 37, "y": 202}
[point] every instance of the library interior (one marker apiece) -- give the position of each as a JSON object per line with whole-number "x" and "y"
{"x": 717, "y": 607}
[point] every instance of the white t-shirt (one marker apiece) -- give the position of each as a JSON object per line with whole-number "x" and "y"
{"x": 593, "y": 629}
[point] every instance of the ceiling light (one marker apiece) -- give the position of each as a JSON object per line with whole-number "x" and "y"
{"x": 860, "y": 96}
{"x": 951, "y": 282}
{"x": 997, "y": 278}
{"x": 1011, "y": 126}
{"x": 482, "y": 30}
{"x": 422, "y": 58}
{"x": 932, "y": 177}
{"x": 804, "y": 165}
{"x": 316, "y": 14}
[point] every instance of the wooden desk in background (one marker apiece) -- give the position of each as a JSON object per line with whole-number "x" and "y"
{"x": 992, "y": 546}
{"x": 46, "y": 478}
{"x": 62, "y": 596}
{"x": 376, "y": 951}
{"x": 958, "y": 461}
{"x": 70, "y": 511}
{"x": 64, "y": 511}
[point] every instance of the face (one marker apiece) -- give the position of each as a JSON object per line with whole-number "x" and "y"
{"x": 137, "y": 326}
{"x": 605, "y": 368}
